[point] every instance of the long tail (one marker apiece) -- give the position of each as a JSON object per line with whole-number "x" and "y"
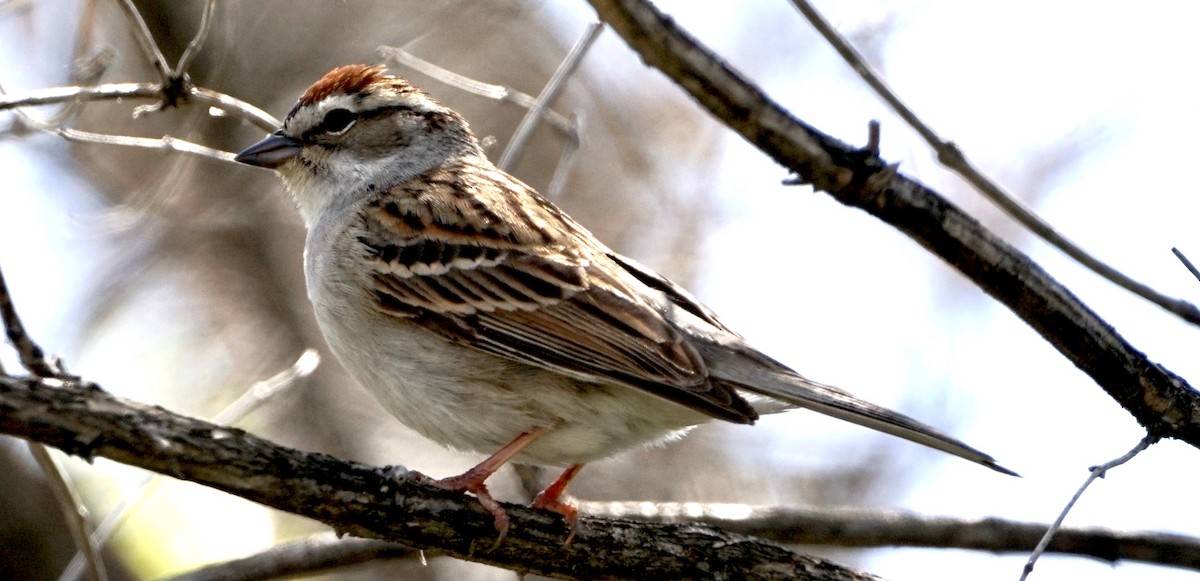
{"x": 782, "y": 384}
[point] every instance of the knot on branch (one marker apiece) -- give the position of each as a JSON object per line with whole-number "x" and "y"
{"x": 858, "y": 173}
{"x": 175, "y": 90}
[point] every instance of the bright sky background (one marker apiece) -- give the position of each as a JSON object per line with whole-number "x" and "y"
{"x": 1010, "y": 82}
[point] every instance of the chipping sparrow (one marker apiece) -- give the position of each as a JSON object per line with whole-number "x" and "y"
{"x": 483, "y": 317}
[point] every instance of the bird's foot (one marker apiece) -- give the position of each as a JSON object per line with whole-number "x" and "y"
{"x": 551, "y": 499}
{"x": 473, "y": 481}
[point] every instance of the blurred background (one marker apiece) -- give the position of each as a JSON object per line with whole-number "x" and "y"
{"x": 176, "y": 280}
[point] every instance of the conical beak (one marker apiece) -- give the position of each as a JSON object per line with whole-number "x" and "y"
{"x": 271, "y": 152}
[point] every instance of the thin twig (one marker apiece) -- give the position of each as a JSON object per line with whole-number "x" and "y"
{"x": 145, "y": 40}
{"x": 487, "y": 90}
{"x": 193, "y": 47}
{"x": 254, "y": 397}
{"x": 1096, "y": 472}
{"x": 261, "y": 391}
{"x": 1187, "y": 263}
{"x": 165, "y": 143}
{"x": 952, "y": 157}
{"x": 239, "y": 108}
{"x": 320, "y": 553}
{"x": 558, "y": 80}
{"x": 74, "y": 511}
{"x": 565, "y": 160}
{"x": 105, "y": 92}
{"x": 112, "y": 523}
{"x": 117, "y": 91}
{"x": 31, "y": 355}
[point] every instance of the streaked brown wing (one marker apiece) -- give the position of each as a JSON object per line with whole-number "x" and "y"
{"x": 518, "y": 293}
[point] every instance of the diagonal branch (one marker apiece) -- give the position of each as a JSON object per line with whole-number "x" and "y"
{"x": 1160, "y": 400}
{"x": 952, "y": 157}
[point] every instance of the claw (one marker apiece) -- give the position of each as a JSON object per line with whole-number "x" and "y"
{"x": 551, "y": 499}
{"x": 473, "y": 481}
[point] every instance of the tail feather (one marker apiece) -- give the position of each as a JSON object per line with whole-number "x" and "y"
{"x": 784, "y": 385}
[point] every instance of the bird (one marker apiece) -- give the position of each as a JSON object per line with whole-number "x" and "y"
{"x": 486, "y": 319}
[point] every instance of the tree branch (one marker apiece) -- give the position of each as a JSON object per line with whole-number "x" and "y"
{"x": 374, "y": 503}
{"x": 1160, "y": 400}
{"x": 952, "y": 157}
{"x": 874, "y": 527}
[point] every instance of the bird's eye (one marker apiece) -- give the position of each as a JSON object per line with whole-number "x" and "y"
{"x": 337, "y": 122}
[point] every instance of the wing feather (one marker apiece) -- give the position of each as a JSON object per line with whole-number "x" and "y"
{"x": 515, "y": 284}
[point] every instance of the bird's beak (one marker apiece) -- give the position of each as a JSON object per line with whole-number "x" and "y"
{"x": 271, "y": 152}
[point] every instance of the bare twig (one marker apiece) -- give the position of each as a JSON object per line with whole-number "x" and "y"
{"x": 952, "y": 157}
{"x": 554, "y": 86}
{"x": 1096, "y": 472}
{"x": 165, "y": 143}
{"x": 262, "y": 391}
{"x": 31, "y": 355}
{"x": 111, "y": 524}
{"x": 145, "y": 40}
{"x": 321, "y": 553}
{"x": 237, "y": 107}
{"x": 1186, "y": 263}
{"x": 117, "y": 91}
{"x": 73, "y": 509}
{"x": 193, "y": 47}
{"x": 487, "y": 90}
{"x": 105, "y": 92}
{"x": 565, "y": 160}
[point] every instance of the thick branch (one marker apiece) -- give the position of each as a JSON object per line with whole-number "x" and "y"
{"x": 369, "y": 502}
{"x": 1160, "y": 400}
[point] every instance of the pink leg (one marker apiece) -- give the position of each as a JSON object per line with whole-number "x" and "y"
{"x": 473, "y": 480}
{"x": 551, "y": 499}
